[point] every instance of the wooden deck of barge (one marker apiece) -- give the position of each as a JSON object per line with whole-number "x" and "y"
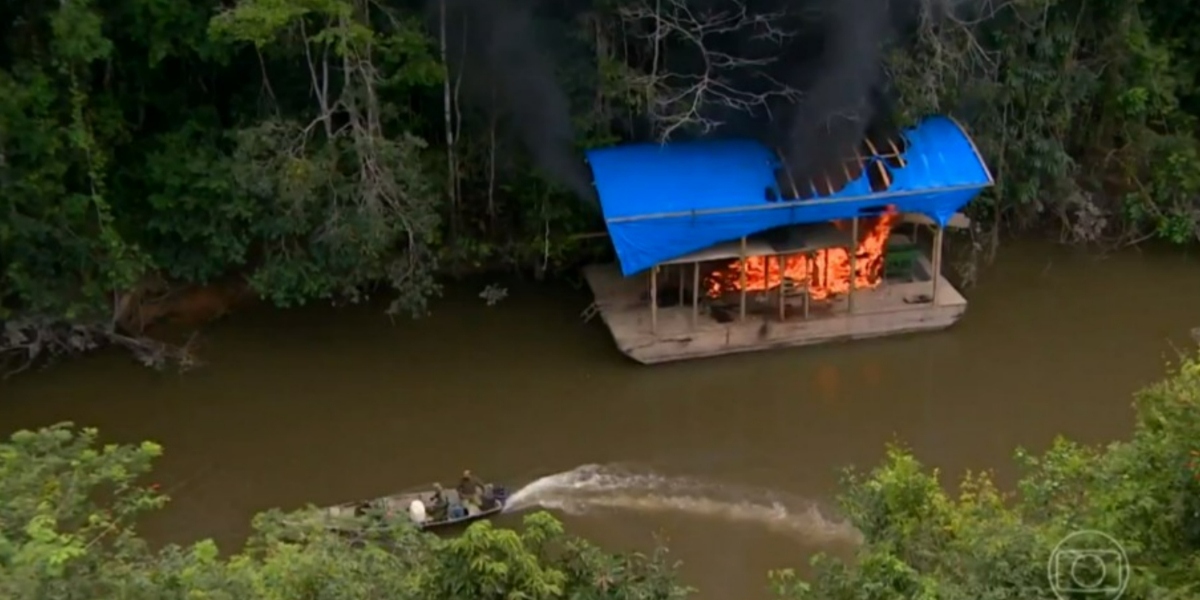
{"x": 892, "y": 308}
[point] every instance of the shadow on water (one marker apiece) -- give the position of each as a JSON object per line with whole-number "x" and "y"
{"x": 322, "y": 406}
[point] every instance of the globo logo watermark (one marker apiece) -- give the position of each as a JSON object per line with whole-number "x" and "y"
{"x": 1089, "y": 565}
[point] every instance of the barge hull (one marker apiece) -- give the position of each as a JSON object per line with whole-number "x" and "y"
{"x": 893, "y": 308}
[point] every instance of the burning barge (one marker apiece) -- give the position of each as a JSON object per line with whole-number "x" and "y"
{"x": 721, "y": 250}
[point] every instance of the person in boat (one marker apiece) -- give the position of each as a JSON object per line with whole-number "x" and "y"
{"x": 489, "y": 498}
{"x": 438, "y": 506}
{"x": 363, "y": 509}
{"x": 470, "y": 488}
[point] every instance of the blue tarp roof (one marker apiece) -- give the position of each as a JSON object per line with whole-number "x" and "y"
{"x": 662, "y": 201}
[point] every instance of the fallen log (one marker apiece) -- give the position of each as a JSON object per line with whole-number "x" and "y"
{"x": 28, "y": 342}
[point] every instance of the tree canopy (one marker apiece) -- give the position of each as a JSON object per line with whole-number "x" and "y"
{"x": 323, "y": 149}
{"x": 1141, "y": 498}
{"x": 67, "y": 530}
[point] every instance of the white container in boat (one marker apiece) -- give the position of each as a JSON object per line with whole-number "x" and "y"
{"x": 416, "y": 511}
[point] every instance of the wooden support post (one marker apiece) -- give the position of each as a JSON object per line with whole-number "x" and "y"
{"x": 812, "y": 256}
{"x": 766, "y": 291}
{"x": 654, "y": 300}
{"x": 782, "y": 291}
{"x": 695, "y": 293}
{"x": 682, "y": 287}
{"x": 825, "y": 281}
{"x": 938, "y": 233}
{"x": 765, "y": 296}
{"x": 853, "y": 263}
{"x": 742, "y": 312}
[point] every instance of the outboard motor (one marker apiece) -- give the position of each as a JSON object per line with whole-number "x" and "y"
{"x": 500, "y": 493}
{"x": 416, "y": 511}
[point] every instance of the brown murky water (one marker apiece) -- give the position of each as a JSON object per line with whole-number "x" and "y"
{"x": 734, "y": 459}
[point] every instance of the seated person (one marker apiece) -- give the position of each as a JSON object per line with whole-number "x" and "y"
{"x": 363, "y": 509}
{"x": 470, "y": 489}
{"x": 489, "y": 498}
{"x": 438, "y": 506}
{"x": 439, "y": 512}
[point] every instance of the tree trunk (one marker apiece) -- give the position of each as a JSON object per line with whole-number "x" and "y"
{"x": 448, "y": 109}
{"x": 491, "y": 191}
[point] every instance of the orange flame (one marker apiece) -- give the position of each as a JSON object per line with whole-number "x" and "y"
{"x": 827, "y": 271}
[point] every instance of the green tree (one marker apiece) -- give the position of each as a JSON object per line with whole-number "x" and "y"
{"x": 322, "y": 150}
{"x": 924, "y": 542}
{"x": 67, "y": 520}
{"x": 1076, "y": 105}
{"x": 67, "y": 531}
{"x": 350, "y": 201}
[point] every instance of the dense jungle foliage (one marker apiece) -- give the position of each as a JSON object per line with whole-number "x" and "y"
{"x": 67, "y": 531}
{"x": 319, "y": 149}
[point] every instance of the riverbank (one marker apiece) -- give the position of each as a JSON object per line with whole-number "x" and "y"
{"x": 169, "y": 328}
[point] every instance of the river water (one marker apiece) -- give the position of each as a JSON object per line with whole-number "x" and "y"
{"x": 734, "y": 461}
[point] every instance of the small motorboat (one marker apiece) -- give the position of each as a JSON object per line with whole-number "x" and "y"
{"x": 419, "y": 507}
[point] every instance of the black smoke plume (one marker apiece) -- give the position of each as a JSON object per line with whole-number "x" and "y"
{"x": 494, "y": 45}
{"x": 843, "y": 86}
{"x": 834, "y": 59}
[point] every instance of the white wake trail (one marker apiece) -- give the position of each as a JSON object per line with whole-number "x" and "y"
{"x": 592, "y": 487}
